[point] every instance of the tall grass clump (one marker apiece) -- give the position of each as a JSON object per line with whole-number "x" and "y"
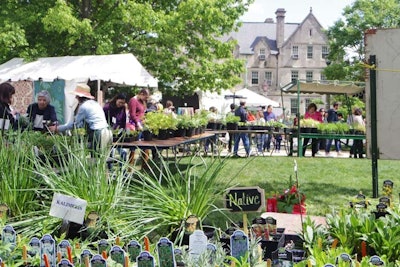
{"x": 161, "y": 204}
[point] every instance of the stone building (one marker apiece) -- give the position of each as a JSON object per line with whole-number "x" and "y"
{"x": 276, "y": 52}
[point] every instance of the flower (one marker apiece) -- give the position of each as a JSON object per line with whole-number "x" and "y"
{"x": 289, "y": 199}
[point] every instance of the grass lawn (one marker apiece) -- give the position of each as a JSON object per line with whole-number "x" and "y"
{"x": 327, "y": 182}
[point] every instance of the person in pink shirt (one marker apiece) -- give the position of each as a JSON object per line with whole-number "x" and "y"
{"x": 312, "y": 113}
{"x": 137, "y": 107}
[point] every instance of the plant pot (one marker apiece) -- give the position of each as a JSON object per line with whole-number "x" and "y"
{"x": 299, "y": 208}
{"x": 163, "y": 134}
{"x": 147, "y": 135}
{"x": 180, "y": 132}
{"x": 305, "y": 130}
{"x": 218, "y": 126}
{"x": 190, "y": 132}
{"x": 212, "y": 126}
{"x": 231, "y": 126}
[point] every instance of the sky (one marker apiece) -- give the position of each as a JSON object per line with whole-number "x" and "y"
{"x": 326, "y": 11}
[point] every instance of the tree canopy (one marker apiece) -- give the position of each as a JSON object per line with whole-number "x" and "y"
{"x": 346, "y": 36}
{"x": 176, "y": 40}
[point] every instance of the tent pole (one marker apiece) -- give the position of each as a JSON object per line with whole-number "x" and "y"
{"x": 299, "y": 153}
{"x": 374, "y": 127}
{"x": 99, "y": 93}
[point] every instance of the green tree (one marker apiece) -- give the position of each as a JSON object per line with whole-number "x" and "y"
{"x": 176, "y": 40}
{"x": 346, "y": 36}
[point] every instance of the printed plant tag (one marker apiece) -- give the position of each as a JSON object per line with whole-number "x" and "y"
{"x": 239, "y": 244}
{"x": 165, "y": 249}
{"x": 134, "y": 249}
{"x": 47, "y": 247}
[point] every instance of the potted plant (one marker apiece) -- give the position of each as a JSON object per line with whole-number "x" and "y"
{"x": 232, "y": 121}
{"x": 159, "y": 123}
{"x": 309, "y": 125}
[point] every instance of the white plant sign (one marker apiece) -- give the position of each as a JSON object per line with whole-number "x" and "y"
{"x": 68, "y": 208}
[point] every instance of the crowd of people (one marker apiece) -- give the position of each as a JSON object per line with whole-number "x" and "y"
{"x": 98, "y": 121}
{"x": 122, "y": 113}
{"x": 333, "y": 116}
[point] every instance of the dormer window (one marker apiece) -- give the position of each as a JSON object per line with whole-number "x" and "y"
{"x": 261, "y": 54}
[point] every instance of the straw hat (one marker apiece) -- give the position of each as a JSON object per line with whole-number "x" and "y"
{"x": 82, "y": 90}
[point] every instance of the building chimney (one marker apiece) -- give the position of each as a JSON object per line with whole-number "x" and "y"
{"x": 269, "y": 20}
{"x": 280, "y": 26}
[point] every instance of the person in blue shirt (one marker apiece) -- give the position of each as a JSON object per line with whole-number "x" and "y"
{"x": 242, "y": 113}
{"x": 41, "y": 112}
{"x": 91, "y": 115}
{"x": 332, "y": 117}
{"x": 268, "y": 116}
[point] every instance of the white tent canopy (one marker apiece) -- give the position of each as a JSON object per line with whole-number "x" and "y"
{"x": 120, "y": 69}
{"x": 216, "y": 100}
{"x": 254, "y": 99}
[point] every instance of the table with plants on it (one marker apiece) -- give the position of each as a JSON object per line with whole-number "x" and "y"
{"x": 170, "y": 143}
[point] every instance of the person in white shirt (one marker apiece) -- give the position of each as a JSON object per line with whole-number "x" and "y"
{"x": 91, "y": 115}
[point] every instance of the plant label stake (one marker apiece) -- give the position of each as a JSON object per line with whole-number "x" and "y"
{"x": 85, "y": 256}
{"x": 134, "y": 249}
{"x": 166, "y": 256}
{"x": 62, "y": 248}
{"x": 239, "y": 244}
{"x": 197, "y": 244}
{"x": 98, "y": 261}
{"x": 48, "y": 249}
{"x": 117, "y": 254}
{"x": 145, "y": 259}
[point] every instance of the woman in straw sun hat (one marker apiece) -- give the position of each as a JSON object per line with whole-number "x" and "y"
{"x": 91, "y": 114}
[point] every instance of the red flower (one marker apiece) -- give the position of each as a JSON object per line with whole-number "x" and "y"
{"x": 293, "y": 190}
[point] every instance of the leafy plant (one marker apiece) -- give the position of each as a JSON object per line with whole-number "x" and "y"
{"x": 158, "y": 120}
{"x": 163, "y": 203}
{"x": 231, "y": 118}
{"x": 309, "y": 123}
{"x": 185, "y": 121}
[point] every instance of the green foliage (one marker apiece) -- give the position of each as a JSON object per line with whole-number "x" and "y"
{"x": 334, "y": 128}
{"x": 185, "y": 121}
{"x": 162, "y": 206}
{"x": 385, "y": 236}
{"x": 177, "y": 41}
{"x": 348, "y": 35}
{"x": 231, "y": 118}
{"x": 309, "y": 123}
{"x": 158, "y": 120}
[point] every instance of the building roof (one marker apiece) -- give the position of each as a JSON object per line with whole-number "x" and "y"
{"x": 250, "y": 31}
{"x": 325, "y": 87}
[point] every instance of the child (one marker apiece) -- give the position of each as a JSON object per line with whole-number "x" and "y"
{"x": 278, "y": 140}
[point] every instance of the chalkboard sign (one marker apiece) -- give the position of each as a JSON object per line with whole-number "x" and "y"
{"x": 245, "y": 199}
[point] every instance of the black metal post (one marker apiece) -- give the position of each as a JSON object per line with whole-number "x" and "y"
{"x": 374, "y": 127}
